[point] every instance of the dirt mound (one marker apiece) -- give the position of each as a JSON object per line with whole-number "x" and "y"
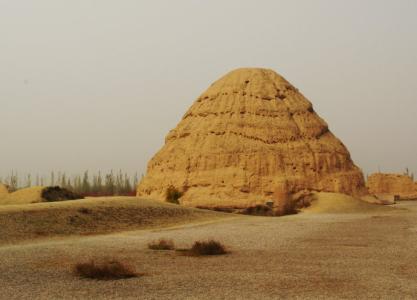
{"x": 38, "y": 194}
{"x": 4, "y": 191}
{"x": 378, "y": 200}
{"x": 24, "y": 196}
{"x": 340, "y": 203}
{"x": 250, "y": 138}
{"x": 386, "y": 186}
{"x": 93, "y": 216}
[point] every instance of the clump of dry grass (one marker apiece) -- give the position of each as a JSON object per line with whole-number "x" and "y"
{"x": 206, "y": 248}
{"x": 105, "y": 270}
{"x": 162, "y": 244}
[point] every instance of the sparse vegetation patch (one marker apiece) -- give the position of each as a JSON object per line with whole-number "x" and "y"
{"x": 162, "y": 244}
{"x": 106, "y": 270}
{"x": 205, "y": 248}
{"x": 56, "y": 193}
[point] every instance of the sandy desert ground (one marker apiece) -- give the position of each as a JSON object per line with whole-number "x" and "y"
{"x": 363, "y": 251}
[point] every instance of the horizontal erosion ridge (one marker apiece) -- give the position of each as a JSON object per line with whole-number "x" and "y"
{"x": 268, "y": 142}
{"x": 254, "y": 138}
{"x": 276, "y": 141}
{"x": 277, "y": 114}
{"x": 278, "y": 97}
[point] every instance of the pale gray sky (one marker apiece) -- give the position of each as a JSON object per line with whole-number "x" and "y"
{"x": 98, "y": 84}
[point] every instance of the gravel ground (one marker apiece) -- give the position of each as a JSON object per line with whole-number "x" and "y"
{"x": 305, "y": 256}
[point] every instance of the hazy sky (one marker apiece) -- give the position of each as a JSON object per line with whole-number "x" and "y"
{"x": 98, "y": 84}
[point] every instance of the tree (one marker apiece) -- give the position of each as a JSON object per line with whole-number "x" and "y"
{"x": 119, "y": 184}
{"x": 63, "y": 180}
{"x": 77, "y": 184}
{"x": 86, "y": 184}
{"x": 28, "y": 181}
{"x": 13, "y": 182}
{"x": 94, "y": 189}
{"x": 99, "y": 183}
{"x": 127, "y": 186}
{"x": 58, "y": 179}
{"x": 69, "y": 185}
{"x": 52, "y": 178}
{"x": 109, "y": 184}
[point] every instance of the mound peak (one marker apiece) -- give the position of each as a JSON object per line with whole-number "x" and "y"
{"x": 250, "y": 137}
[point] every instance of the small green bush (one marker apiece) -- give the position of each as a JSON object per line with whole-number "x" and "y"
{"x": 173, "y": 195}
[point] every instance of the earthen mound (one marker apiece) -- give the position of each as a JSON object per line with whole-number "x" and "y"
{"x": 38, "y": 194}
{"x": 4, "y": 191}
{"x": 342, "y": 203}
{"x": 251, "y": 137}
{"x": 96, "y": 215}
{"x": 386, "y": 186}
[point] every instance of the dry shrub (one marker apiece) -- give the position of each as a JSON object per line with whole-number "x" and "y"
{"x": 56, "y": 193}
{"x": 203, "y": 248}
{"x": 258, "y": 210}
{"x": 162, "y": 244}
{"x": 172, "y": 195}
{"x": 106, "y": 270}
